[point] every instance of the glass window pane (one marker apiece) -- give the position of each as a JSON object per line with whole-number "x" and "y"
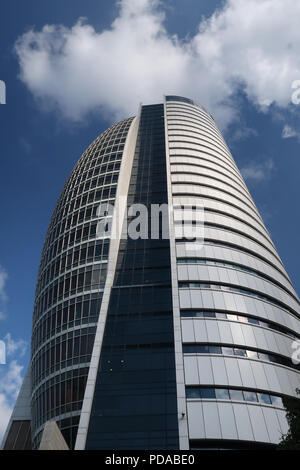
{"x": 239, "y": 352}
{"x": 231, "y": 317}
{"x": 276, "y": 401}
{"x": 208, "y": 393}
{"x": 221, "y": 315}
{"x": 193, "y": 393}
{"x": 250, "y": 396}
{"x": 202, "y": 349}
{"x": 264, "y": 398}
{"x": 228, "y": 351}
{"x": 222, "y": 393}
{"x": 252, "y": 354}
{"x": 209, "y": 314}
{"x": 253, "y": 320}
{"x": 236, "y": 395}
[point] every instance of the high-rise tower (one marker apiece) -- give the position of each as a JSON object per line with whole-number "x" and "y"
{"x": 153, "y": 341}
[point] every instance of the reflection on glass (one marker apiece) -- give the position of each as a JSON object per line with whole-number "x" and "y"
{"x": 264, "y": 398}
{"x": 250, "y": 396}
{"x": 236, "y": 395}
{"x": 222, "y": 393}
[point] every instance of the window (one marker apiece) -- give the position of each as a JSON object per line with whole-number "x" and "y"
{"x": 222, "y": 394}
{"x": 208, "y": 393}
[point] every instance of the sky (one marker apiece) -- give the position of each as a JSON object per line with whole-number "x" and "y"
{"x": 73, "y": 67}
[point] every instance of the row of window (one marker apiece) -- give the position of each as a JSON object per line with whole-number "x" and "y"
{"x": 201, "y": 118}
{"x": 218, "y": 178}
{"x": 191, "y": 151}
{"x": 222, "y": 153}
{"x": 61, "y": 394}
{"x": 201, "y": 139}
{"x": 197, "y": 166}
{"x": 72, "y": 237}
{"x": 81, "y": 254}
{"x": 205, "y": 123}
{"x": 203, "y": 154}
{"x": 94, "y": 169}
{"x": 99, "y": 146}
{"x": 233, "y": 394}
{"x": 187, "y": 228}
{"x": 89, "y": 198}
{"x": 71, "y": 348}
{"x": 239, "y": 290}
{"x": 238, "y": 351}
{"x": 105, "y": 172}
{"x": 216, "y": 188}
{"x": 190, "y": 207}
{"x": 225, "y": 264}
{"x": 225, "y": 202}
{"x": 209, "y": 241}
{"x": 88, "y": 278}
{"x": 233, "y": 317}
{"x": 80, "y": 310}
{"x": 79, "y": 172}
{"x": 108, "y": 175}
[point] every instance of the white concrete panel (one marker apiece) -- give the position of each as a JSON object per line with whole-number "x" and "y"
{"x": 211, "y": 420}
{"x": 237, "y": 334}
{"x": 225, "y": 332}
{"x": 233, "y": 372}
{"x": 246, "y": 373}
{"x": 272, "y": 378}
{"x": 258, "y": 423}
{"x": 187, "y": 328}
{"x": 272, "y": 423}
{"x": 219, "y": 371}
{"x": 227, "y": 421}
{"x": 195, "y": 420}
{"x": 184, "y": 298}
{"x": 200, "y": 330}
{"x": 284, "y": 426}
{"x": 259, "y": 375}
{"x": 191, "y": 370}
{"x": 205, "y": 370}
{"x": 243, "y": 423}
{"x": 212, "y": 331}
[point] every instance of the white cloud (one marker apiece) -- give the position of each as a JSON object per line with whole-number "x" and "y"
{"x": 13, "y": 347}
{"x": 258, "y": 172}
{"x": 10, "y": 383}
{"x": 11, "y": 380}
{"x": 5, "y": 413}
{"x": 253, "y": 44}
{"x": 288, "y": 132}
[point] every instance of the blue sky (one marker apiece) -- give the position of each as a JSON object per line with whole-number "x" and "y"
{"x": 66, "y": 84}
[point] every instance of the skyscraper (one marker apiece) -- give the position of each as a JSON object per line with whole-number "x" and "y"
{"x": 157, "y": 339}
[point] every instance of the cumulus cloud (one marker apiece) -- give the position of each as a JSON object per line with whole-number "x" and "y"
{"x": 13, "y": 347}
{"x": 10, "y": 384}
{"x": 5, "y": 413}
{"x": 288, "y": 132}
{"x": 258, "y": 172}
{"x": 78, "y": 70}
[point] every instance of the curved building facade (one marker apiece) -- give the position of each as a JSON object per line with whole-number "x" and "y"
{"x": 159, "y": 341}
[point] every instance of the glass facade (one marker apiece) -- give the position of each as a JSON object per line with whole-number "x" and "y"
{"x": 69, "y": 289}
{"x": 135, "y": 405}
